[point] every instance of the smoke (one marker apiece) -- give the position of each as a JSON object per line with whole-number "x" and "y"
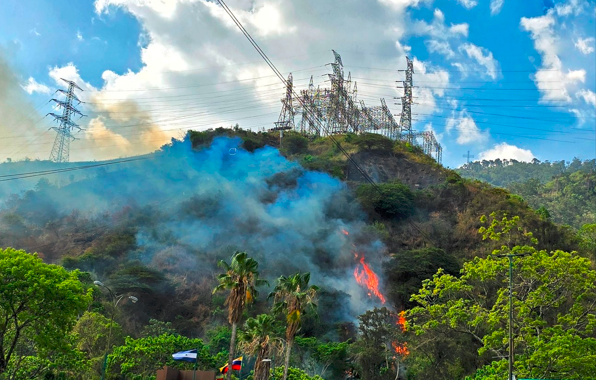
{"x": 115, "y": 126}
{"x": 121, "y": 128}
{"x": 223, "y": 198}
{"x": 19, "y": 117}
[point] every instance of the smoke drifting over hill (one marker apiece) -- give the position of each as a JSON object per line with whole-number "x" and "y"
{"x": 222, "y": 198}
{"x": 19, "y": 117}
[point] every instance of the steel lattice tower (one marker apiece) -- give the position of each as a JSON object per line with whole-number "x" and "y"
{"x": 61, "y": 148}
{"x": 286, "y": 116}
{"x": 406, "y": 104}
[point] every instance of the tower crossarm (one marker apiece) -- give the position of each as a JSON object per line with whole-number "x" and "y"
{"x": 74, "y": 97}
{"x": 68, "y": 106}
{"x": 72, "y": 84}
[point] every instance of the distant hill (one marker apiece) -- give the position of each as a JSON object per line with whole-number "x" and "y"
{"x": 502, "y": 173}
{"x": 563, "y": 191}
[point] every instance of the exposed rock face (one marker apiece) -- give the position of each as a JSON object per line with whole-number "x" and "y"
{"x": 385, "y": 167}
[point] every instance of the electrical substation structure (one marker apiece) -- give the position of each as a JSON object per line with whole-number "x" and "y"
{"x": 340, "y": 111}
{"x": 61, "y": 147}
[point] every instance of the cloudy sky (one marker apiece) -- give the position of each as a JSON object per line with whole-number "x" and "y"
{"x": 498, "y": 78}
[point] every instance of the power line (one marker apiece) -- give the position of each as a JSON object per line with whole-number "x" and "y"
{"x": 13, "y": 177}
{"x": 307, "y": 108}
{"x": 205, "y": 85}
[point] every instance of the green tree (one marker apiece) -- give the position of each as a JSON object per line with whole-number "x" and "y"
{"x": 292, "y": 373}
{"x": 295, "y": 143}
{"x": 141, "y": 358}
{"x": 587, "y": 235}
{"x": 379, "y": 338}
{"x": 39, "y": 302}
{"x": 293, "y": 297}
{"x": 92, "y": 331}
{"x": 259, "y": 338}
{"x": 241, "y": 277}
{"x": 157, "y": 328}
{"x": 406, "y": 270}
{"x": 329, "y": 360}
{"x": 554, "y": 320}
{"x": 390, "y": 200}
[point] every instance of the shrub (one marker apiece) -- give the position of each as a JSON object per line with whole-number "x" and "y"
{"x": 388, "y": 199}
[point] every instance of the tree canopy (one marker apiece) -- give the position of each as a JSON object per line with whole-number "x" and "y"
{"x": 38, "y": 303}
{"x": 554, "y": 310}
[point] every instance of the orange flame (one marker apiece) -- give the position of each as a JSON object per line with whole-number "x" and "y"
{"x": 345, "y": 232}
{"x": 400, "y": 349}
{"x": 401, "y": 321}
{"x": 368, "y": 278}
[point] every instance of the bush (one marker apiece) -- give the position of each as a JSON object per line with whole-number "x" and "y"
{"x": 293, "y": 374}
{"x": 251, "y": 145}
{"x": 390, "y": 200}
{"x": 295, "y": 144}
{"x": 370, "y": 141}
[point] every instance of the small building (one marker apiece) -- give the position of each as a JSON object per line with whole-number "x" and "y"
{"x": 168, "y": 373}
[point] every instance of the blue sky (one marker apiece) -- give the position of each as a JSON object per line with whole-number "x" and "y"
{"x": 509, "y": 79}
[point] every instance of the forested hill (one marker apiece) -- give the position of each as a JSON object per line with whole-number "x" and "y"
{"x": 564, "y": 192}
{"x": 156, "y": 229}
{"x": 502, "y": 173}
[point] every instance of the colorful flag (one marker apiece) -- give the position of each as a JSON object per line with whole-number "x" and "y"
{"x": 236, "y": 366}
{"x": 187, "y": 356}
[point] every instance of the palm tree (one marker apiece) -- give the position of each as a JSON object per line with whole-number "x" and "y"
{"x": 259, "y": 338}
{"x": 241, "y": 277}
{"x": 292, "y": 297}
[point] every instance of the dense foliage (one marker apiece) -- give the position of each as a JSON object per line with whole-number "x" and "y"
{"x": 39, "y": 304}
{"x": 553, "y": 307}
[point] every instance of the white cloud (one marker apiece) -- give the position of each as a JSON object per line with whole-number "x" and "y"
{"x": 468, "y": 131}
{"x": 71, "y": 73}
{"x": 483, "y": 57}
{"x": 441, "y": 47}
{"x": 438, "y": 29}
{"x": 463, "y": 69}
{"x": 506, "y": 151}
{"x": 588, "y": 96}
{"x": 196, "y": 63}
{"x": 574, "y": 7}
{"x": 583, "y": 45}
{"x": 496, "y": 6}
{"x": 32, "y": 86}
{"x": 35, "y": 32}
{"x": 551, "y": 79}
{"x": 468, "y": 4}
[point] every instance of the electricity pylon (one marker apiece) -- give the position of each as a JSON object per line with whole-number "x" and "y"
{"x": 406, "y": 104}
{"x": 61, "y": 148}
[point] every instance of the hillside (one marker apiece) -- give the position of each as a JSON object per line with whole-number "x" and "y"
{"x": 563, "y": 192}
{"x": 156, "y": 228}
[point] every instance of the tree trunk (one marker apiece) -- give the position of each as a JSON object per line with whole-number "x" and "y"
{"x": 232, "y": 346}
{"x": 262, "y": 368}
{"x": 287, "y": 360}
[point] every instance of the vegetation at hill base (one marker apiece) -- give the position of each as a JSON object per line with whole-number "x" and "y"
{"x": 433, "y": 264}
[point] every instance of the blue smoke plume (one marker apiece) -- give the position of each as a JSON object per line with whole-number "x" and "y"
{"x": 222, "y": 198}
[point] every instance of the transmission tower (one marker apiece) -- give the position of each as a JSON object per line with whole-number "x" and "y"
{"x": 406, "y": 104}
{"x": 61, "y": 148}
{"x": 468, "y": 156}
{"x": 286, "y": 116}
